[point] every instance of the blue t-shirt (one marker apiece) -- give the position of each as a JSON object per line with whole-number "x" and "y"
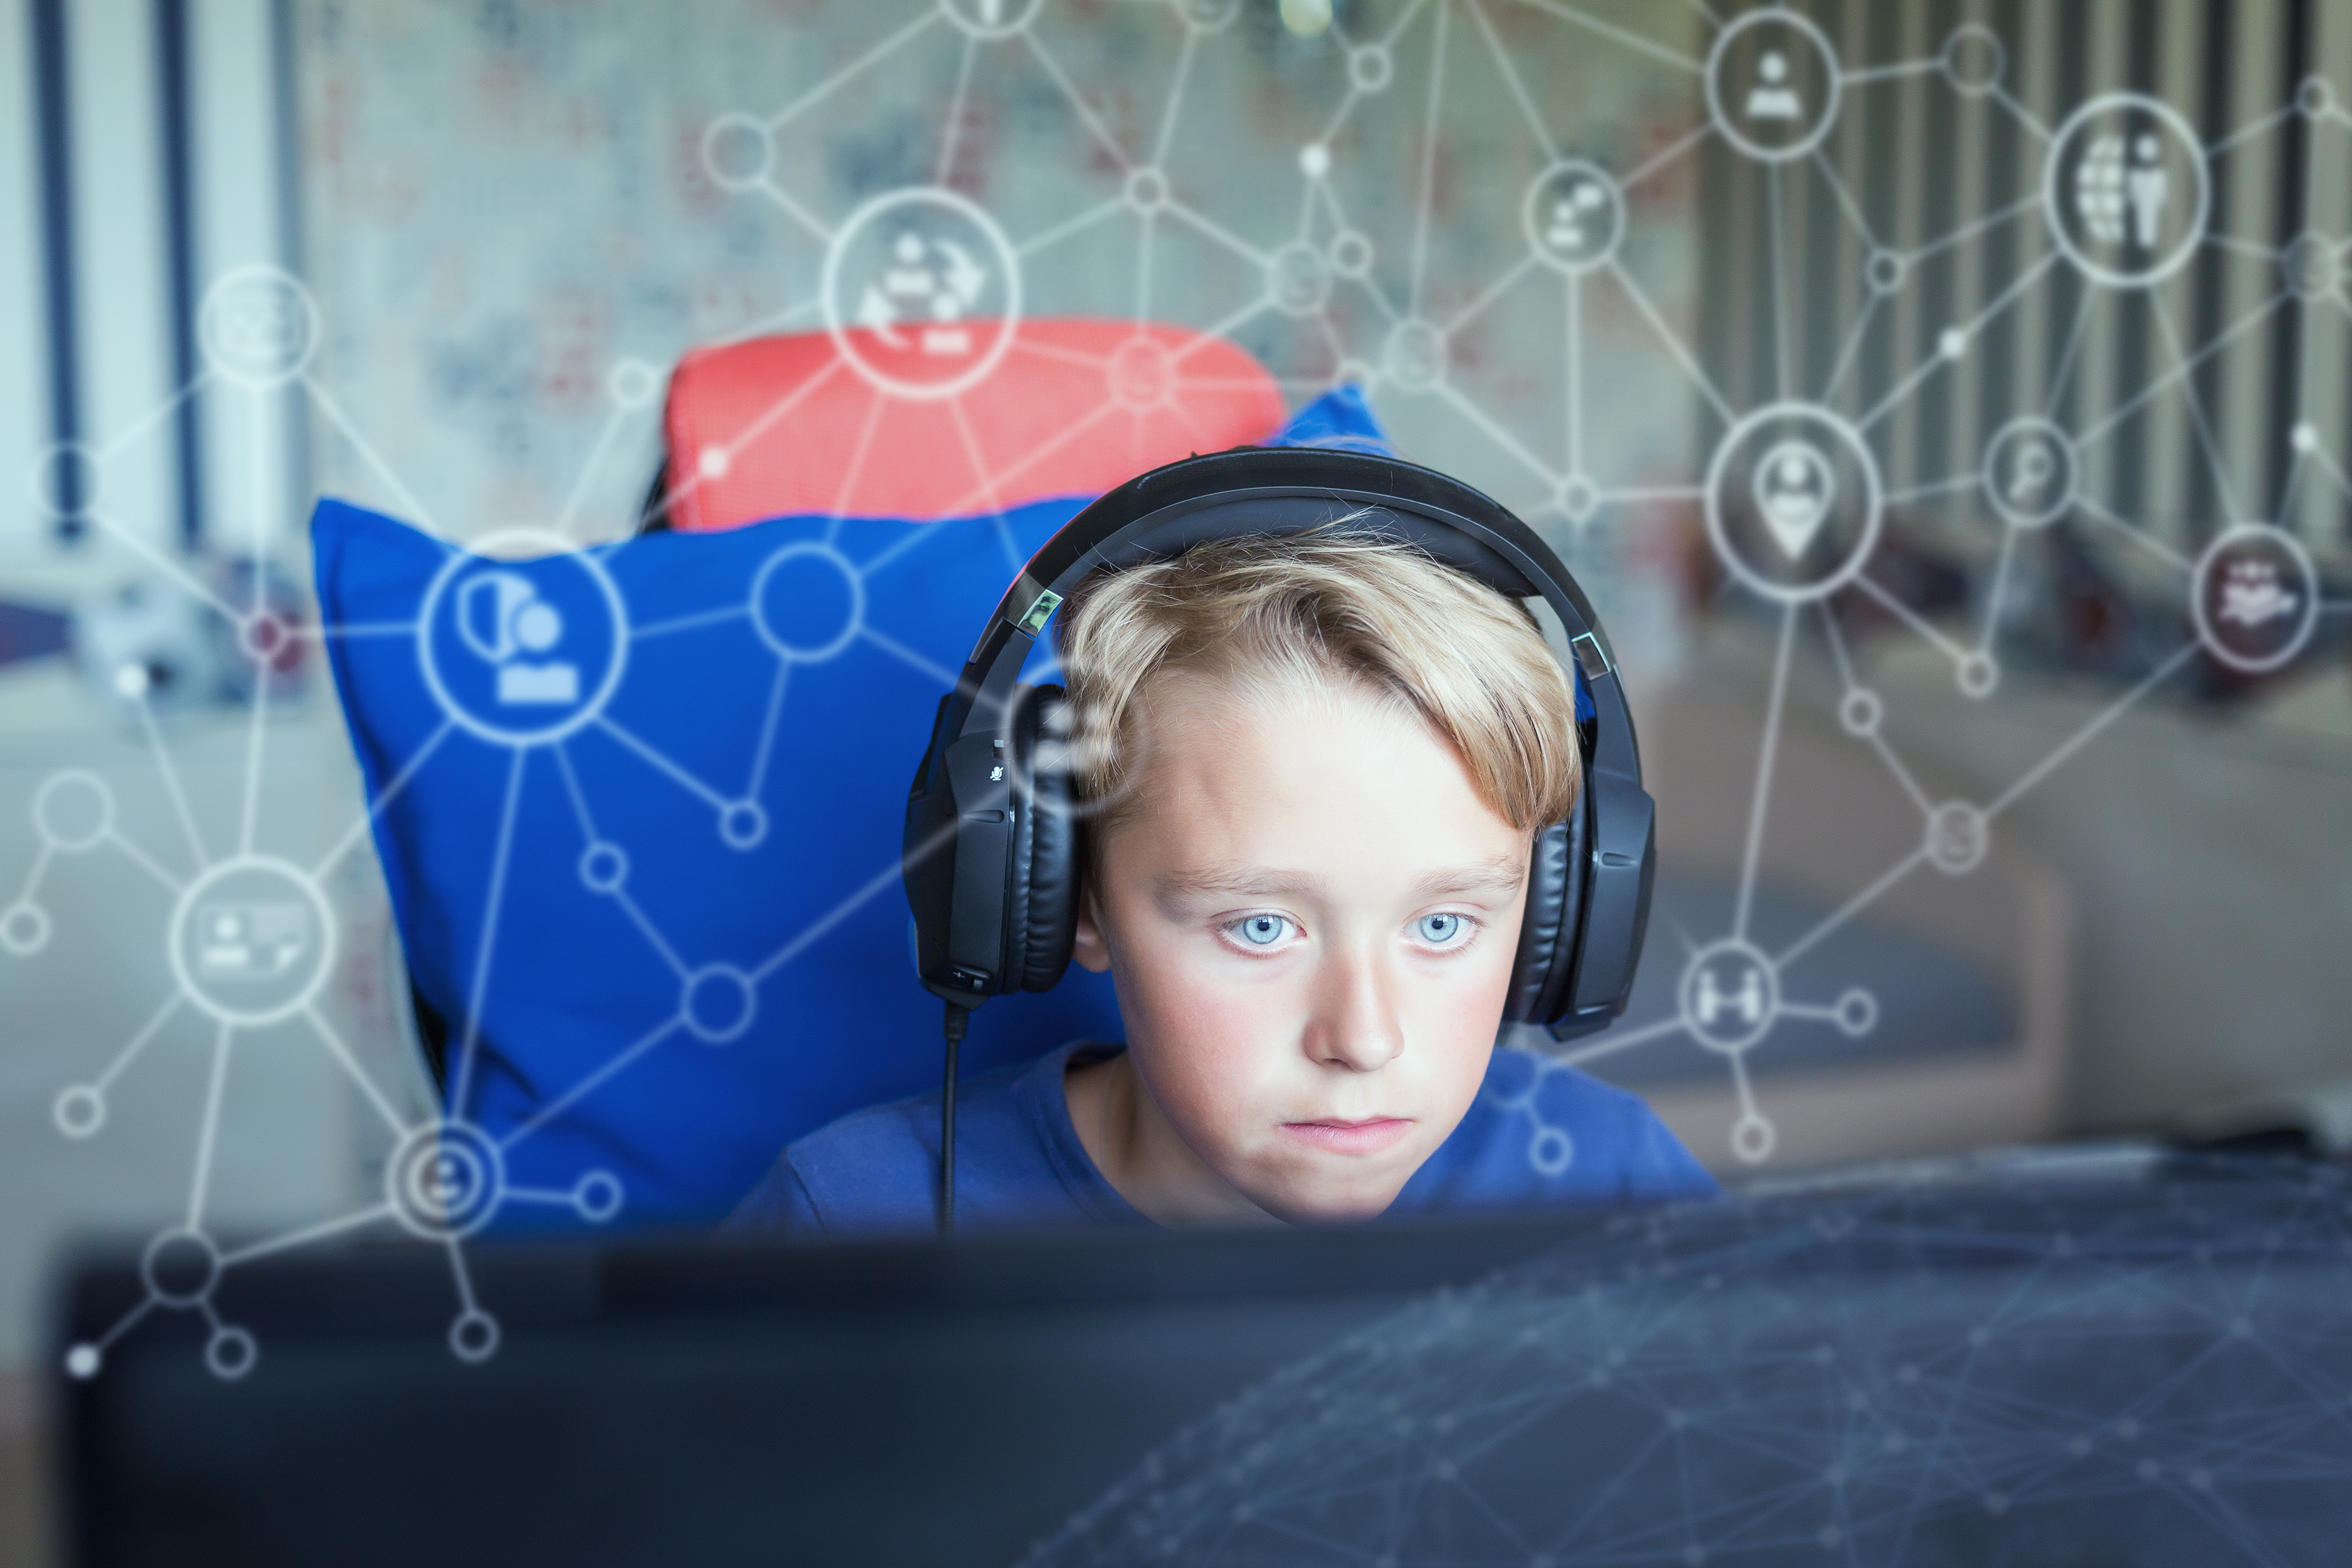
{"x": 1537, "y": 1133}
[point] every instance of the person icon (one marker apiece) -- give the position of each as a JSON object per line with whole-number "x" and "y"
{"x": 1773, "y": 97}
{"x": 2146, "y": 188}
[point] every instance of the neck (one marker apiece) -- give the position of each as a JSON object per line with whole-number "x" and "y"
{"x": 1141, "y": 1154}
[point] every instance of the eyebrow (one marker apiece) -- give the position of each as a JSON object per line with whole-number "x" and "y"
{"x": 1499, "y": 873}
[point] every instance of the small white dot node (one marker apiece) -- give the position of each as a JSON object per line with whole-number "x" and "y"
{"x": 79, "y": 1111}
{"x": 131, "y": 681}
{"x": 1978, "y": 676}
{"x": 718, "y": 1004}
{"x": 74, "y": 811}
{"x": 1371, "y": 68}
{"x": 1952, "y": 343}
{"x": 2316, "y": 97}
{"x": 24, "y": 929}
{"x": 82, "y": 1362}
{"x": 1885, "y": 271}
{"x": 632, "y": 383}
{"x": 1146, "y": 189}
{"x": 597, "y": 1196}
{"x": 743, "y": 824}
{"x": 714, "y": 462}
{"x": 1859, "y": 713}
{"x": 2306, "y": 436}
{"x": 1306, "y": 18}
{"x": 1315, "y": 160}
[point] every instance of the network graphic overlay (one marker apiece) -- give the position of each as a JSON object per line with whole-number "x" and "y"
{"x": 923, "y": 292}
{"x": 1981, "y": 1368}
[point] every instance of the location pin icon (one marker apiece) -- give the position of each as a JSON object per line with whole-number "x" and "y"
{"x": 1794, "y": 487}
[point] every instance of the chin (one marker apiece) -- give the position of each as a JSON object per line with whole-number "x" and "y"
{"x": 1334, "y": 1205}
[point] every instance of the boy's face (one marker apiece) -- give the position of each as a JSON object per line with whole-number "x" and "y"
{"x": 1311, "y": 917}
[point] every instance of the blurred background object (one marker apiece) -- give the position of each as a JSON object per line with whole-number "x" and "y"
{"x": 2033, "y": 314}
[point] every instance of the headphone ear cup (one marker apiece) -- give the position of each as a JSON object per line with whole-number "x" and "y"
{"x": 1549, "y": 926}
{"x": 1042, "y": 922}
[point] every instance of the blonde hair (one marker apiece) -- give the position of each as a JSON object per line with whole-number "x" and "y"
{"x": 1312, "y": 611}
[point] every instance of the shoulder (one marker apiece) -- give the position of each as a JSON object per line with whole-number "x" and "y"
{"x": 1541, "y": 1132}
{"x": 873, "y": 1169}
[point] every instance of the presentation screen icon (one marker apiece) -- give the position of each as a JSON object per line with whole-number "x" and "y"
{"x": 505, "y": 624}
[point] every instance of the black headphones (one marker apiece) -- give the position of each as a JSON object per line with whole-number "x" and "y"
{"x": 990, "y": 858}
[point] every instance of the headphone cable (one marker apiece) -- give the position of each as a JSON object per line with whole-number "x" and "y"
{"x": 953, "y": 1029}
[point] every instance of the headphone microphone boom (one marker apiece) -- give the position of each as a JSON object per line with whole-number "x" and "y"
{"x": 990, "y": 857}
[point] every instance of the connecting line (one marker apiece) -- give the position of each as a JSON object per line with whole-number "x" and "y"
{"x": 163, "y": 563}
{"x": 937, "y": 673}
{"x": 367, "y": 1085}
{"x": 1491, "y": 293}
{"x": 1613, "y": 1042}
{"x": 1013, "y": 559}
{"x": 694, "y": 621}
{"x": 492, "y": 906}
{"x": 1784, "y": 359}
{"x": 1760, "y": 799}
{"x": 2251, "y": 130}
{"x": 307, "y": 1235}
{"x": 1852, "y": 209}
{"x": 153, "y": 417}
{"x": 854, "y": 68}
{"x": 2113, "y": 711}
{"x": 1936, "y": 487}
{"x": 465, "y": 1280}
{"x": 2098, "y": 513}
{"x": 2024, "y": 116}
{"x": 256, "y": 728}
{"x": 1428, "y": 205}
{"x": 208, "y": 1133}
{"x": 2066, "y": 356}
{"x": 350, "y": 629}
{"x": 139, "y": 1042}
{"x": 1079, "y": 104}
{"x": 1665, "y": 155}
{"x": 384, "y": 799}
{"x": 953, "y": 131}
{"x": 1850, "y": 908}
{"x": 1174, "y": 103}
{"x": 1223, "y": 236}
{"x": 1502, "y": 437}
{"x": 1572, "y": 307}
{"x": 880, "y": 883}
{"x": 144, "y": 861}
{"x": 1910, "y": 617}
{"x": 2230, "y": 245}
{"x": 41, "y": 857}
{"x": 758, "y": 427}
{"x": 2000, "y": 590}
{"x": 596, "y": 460}
{"x": 1969, "y": 329}
{"x": 1633, "y": 41}
{"x": 1512, "y": 79}
{"x": 1681, "y": 356}
{"x": 1065, "y": 229}
{"x": 652, "y": 934}
{"x": 1852, "y": 346}
{"x": 589, "y": 1085}
{"x": 663, "y": 765}
{"x": 769, "y": 722}
{"x": 2253, "y": 319}
{"x": 1895, "y": 72}
{"x": 915, "y": 536}
{"x": 1968, "y": 232}
{"x": 368, "y": 455}
{"x": 2197, "y": 414}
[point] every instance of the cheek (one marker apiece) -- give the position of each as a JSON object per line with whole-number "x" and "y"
{"x": 1209, "y": 1047}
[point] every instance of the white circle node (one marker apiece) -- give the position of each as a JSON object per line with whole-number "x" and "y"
{"x": 1857, "y": 1012}
{"x": 2305, "y": 437}
{"x": 596, "y": 1196}
{"x": 444, "y": 1179}
{"x": 808, "y": 604}
{"x": 1298, "y": 278}
{"x": 1952, "y": 342}
{"x": 1978, "y": 674}
{"x": 2254, "y": 598}
{"x": 1371, "y": 68}
{"x": 230, "y": 1354}
{"x": 1146, "y": 189}
{"x": 1974, "y": 61}
{"x": 261, "y": 636}
{"x": 739, "y": 151}
{"x": 259, "y": 328}
{"x": 1315, "y": 160}
{"x": 1885, "y": 270}
{"x": 82, "y": 1362}
{"x": 1773, "y": 84}
{"x": 1551, "y": 1151}
{"x": 1352, "y": 254}
{"x": 2315, "y": 96}
{"x": 1580, "y": 499}
{"x": 79, "y": 1111}
{"x": 66, "y": 467}
{"x": 252, "y": 940}
{"x": 1142, "y": 373}
{"x": 1957, "y": 837}
{"x": 1413, "y": 358}
{"x": 2031, "y": 472}
{"x": 1861, "y": 712}
{"x": 1208, "y": 16}
{"x": 632, "y": 383}
{"x": 24, "y": 928}
{"x": 2112, "y": 190}
{"x": 1729, "y": 994}
{"x": 474, "y": 1336}
{"x": 516, "y": 655}
{"x": 603, "y": 867}
{"x": 74, "y": 811}
{"x": 743, "y": 824}
{"x": 180, "y": 1268}
{"x": 1777, "y": 512}
{"x": 718, "y": 1003}
{"x": 1574, "y": 216}
{"x": 921, "y": 292}
{"x": 1753, "y": 1138}
{"x": 2312, "y": 265}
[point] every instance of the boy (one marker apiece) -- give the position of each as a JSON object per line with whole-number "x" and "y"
{"x": 1314, "y": 768}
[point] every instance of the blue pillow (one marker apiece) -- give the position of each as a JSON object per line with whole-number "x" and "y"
{"x": 652, "y": 874}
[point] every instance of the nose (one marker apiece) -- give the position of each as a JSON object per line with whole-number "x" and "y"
{"x": 1354, "y": 1023}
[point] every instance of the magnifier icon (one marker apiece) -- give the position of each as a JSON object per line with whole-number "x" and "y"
{"x": 2031, "y": 472}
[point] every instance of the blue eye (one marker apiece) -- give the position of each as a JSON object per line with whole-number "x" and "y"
{"x": 1438, "y": 930}
{"x": 1261, "y": 930}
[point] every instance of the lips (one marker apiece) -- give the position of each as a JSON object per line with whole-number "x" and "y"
{"x": 1337, "y": 1137}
